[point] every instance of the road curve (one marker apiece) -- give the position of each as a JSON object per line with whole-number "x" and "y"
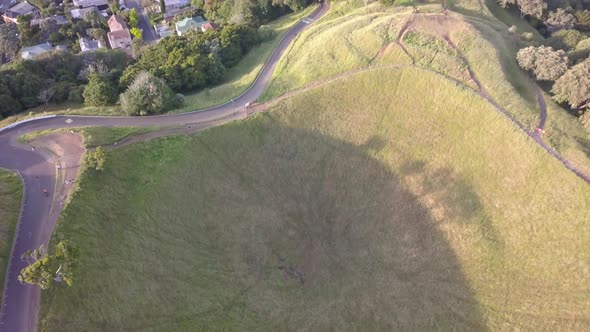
{"x": 20, "y": 305}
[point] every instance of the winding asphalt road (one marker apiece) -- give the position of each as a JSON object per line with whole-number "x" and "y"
{"x": 20, "y": 305}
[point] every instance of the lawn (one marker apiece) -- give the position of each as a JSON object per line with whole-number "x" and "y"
{"x": 364, "y": 204}
{"x": 11, "y": 192}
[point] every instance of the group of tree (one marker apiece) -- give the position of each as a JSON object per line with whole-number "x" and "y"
{"x": 196, "y": 60}
{"x": 571, "y": 84}
{"x": 44, "y": 269}
{"x": 57, "y": 77}
{"x": 249, "y": 12}
{"x": 563, "y": 62}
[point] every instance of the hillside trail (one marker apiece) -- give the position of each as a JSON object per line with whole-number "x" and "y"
{"x": 438, "y": 25}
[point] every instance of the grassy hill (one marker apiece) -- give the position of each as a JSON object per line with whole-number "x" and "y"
{"x": 353, "y": 37}
{"x": 364, "y": 203}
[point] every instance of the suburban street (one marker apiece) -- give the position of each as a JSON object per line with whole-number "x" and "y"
{"x": 149, "y": 35}
{"x": 20, "y": 308}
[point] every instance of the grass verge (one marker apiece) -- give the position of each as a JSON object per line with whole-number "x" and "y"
{"x": 11, "y": 192}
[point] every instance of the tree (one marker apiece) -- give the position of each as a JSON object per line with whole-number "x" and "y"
{"x": 99, "y": 91}
{"x": 148, "y": 94}
{"x": 506, "y": 3}
{"x": 136, "y": 33}
{"x": 45, "y": 95}
{"x": 566, "y": 39}
{"x": 94, "y": 18}
{"x": 28, "y": 33}
{"x": 133, "y": 18}
{"x": 533, "y": 8}
{"x": 44, "y": 269}
{"x": 574, "y": 86}
{"x": 560, "y": 19}
{"x": 8, "y": 106}
{"x": 137, "y": 46}
{"x": 48, "y": 26}
{"x": 162, "y": 6}
{"x": 95, "y": 159}
{"x": 545, "y": 63}
{"x": 9, "y": 42}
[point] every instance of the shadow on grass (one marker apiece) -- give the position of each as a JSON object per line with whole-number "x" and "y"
{"x": 291, "y": 230}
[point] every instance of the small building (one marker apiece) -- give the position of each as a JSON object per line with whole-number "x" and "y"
{"x": 79, "y": 13}
{"x": 61, "y": 48}
{"x": 163, "y": 30}
{"x": 90, "y": 3}
{"x": 31, "y": 52}
{"x": 189, "y": 24}
{"x": 21, "y": 8}
{"x": 119, "y": 36}
{"x": 209, "y": 26}
{"x": 90, "y": 45}
{"x": 59, "y": 20}
{"x": 173, "y": 4}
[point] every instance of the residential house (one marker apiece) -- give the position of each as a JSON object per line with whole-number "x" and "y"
{"x": 163, "y": 30}
{"x": 30, "y": 52}
{"x": 21, "y": 8}
{"x": 174, "y": 4}
{"x": 119, "y": 36}
{"x": 209, "y": 26}
{"x": 63, "y": 48}
{"x": 90, "y": 45}
{"x": 188, "y": 24}
{"x": 79, "y": 13}
{"x": 59, "y": 20}
{"x": 90, "y": 3}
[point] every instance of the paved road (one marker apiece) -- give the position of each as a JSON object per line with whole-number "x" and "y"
{"x": 21, "y": 302}
{"x": 149, "y": 35}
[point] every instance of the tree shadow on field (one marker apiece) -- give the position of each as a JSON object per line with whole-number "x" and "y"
{"x": 325, "y": 237}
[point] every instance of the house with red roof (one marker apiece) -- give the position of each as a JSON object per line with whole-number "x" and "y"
{"x": 119, "y": 36}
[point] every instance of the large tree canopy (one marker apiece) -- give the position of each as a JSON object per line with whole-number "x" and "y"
{"x": 147, "y": 95}
{"x": 545, "y": 63}
{"x": 9, "y": 42}
{"x": 574, "y": 86}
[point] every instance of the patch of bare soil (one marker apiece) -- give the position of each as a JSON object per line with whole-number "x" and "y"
{"x": 67, "y": 149}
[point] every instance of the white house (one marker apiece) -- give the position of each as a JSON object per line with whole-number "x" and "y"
{"x": 30, "y": 52}
{"x": 90, "y": 3}
{"x": 80, "y": 13}
{"x": 89, "y": 45}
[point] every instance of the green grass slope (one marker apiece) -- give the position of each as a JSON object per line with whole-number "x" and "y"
{"x": 364, "y": 204}
{"x": 11, "y": 193}
{"x": 353, "y": 37}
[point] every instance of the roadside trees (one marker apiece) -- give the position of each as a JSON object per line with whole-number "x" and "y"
{"x": 95, "y": 159}
{"x": 99, "y": 91}
{"x": 44, "y": 269}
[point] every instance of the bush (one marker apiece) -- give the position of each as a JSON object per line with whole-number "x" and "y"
{"x": 566, "y": 39}
{"x": 76, "y": 94}
{"x": 147, "y": 95}
{"x": 99, "y": 91}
